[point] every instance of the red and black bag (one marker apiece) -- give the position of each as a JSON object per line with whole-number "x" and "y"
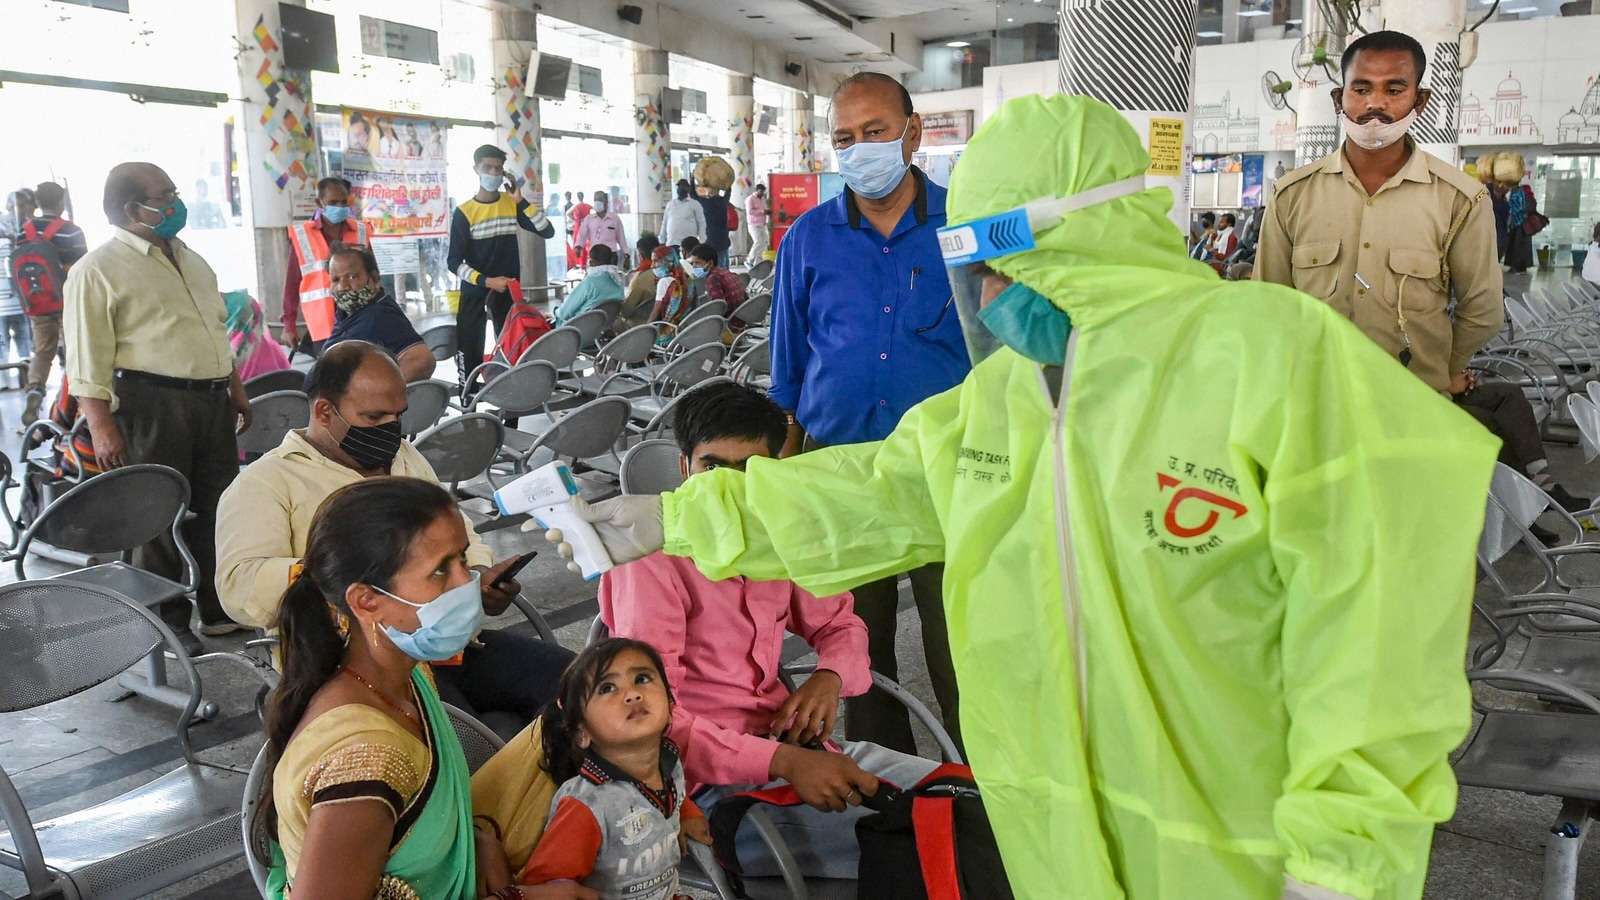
{"x": 928, "y": 842}
{"x": 524, "y": 325}
{"x": 37, "y": 270}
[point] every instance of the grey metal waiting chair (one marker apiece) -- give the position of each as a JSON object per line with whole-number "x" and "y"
{"x": 754, "y": 366}
{"x": 662, "y": 423}
{"x": 441, "y": 339}
{"x": 478, "y": 744}
{"x": 651, "y": 467}
{"x": 426, "y": 402}
{"x": 111, "y": 514}
{"x": 272, "y": 382}
{"x": 583, "y": 436}
{"x": 558, "y": 347}
{"x": 706, "y": 310}
{"x": 702, "y": 331}
{"x": 521, "y": 389}
{"x": 626, "y": 350}
{"x": 57, "y": 639}
{"x": 693, "y": 367}
{"x": 590, "y": 325}
{"x": 272, "y": 417}
{"x": 753, "y": 311}
{"x": 461, "y": 448}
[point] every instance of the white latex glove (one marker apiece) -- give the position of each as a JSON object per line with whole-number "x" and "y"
{"x": 630, "y": 527}
{"x": 1295, "y": 889}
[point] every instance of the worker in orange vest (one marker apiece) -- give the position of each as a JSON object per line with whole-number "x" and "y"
{"x": 308, "y": 287}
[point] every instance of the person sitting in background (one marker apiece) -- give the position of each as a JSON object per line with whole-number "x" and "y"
{"x": 641, "y": 294}
{"x": 1224, "y": 242}
{"x": 737, "y": 725}
{"x": 721, "y": 284}
{"x": 367, "y": 312}
{"x": 1200, "y": 245}
{"x": 370, "y": 791}
{"x": 357, "y": 396}
{"x": 254, "y": 351}
{"x": 672, "y": 292}
{"x": 602, "y": 282}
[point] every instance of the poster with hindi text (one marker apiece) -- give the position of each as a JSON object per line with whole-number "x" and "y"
{"x": 397, "y": 172}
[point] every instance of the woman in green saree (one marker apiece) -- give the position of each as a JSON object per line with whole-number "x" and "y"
{"x": 370, "y": 792}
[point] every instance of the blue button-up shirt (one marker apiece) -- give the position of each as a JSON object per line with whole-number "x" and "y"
{"x": 863, "y": 327}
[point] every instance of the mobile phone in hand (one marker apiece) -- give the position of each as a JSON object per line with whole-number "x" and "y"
{"x": 510, "y": 574}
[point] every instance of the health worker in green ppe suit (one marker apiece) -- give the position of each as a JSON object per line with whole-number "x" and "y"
{"x": 1208, "y": 550}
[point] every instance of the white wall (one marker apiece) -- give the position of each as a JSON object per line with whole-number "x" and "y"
{"x": 1231, "y": 114}
{"x": 951, "y": 101}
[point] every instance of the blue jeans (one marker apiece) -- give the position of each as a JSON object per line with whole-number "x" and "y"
{"x": 14, "y": 332}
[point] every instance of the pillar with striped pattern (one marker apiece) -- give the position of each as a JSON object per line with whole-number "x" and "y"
{"x": 1437, "y": 25}
{"x": 1138, "y": 56}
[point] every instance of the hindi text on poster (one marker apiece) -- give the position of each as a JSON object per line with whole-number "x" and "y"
{"x": 1166, "y": 148}
{"x": 396, "y": 169}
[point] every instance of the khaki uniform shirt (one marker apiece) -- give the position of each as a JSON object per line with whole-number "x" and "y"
{"x": 1321, "y": 230}
{"x": 264, "y": 519}
{"x": 126, "y": 307}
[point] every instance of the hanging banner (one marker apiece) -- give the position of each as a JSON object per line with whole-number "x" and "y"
{"x": 396, "y": 169}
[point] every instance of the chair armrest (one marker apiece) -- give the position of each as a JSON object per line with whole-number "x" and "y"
{"x": 26, "y": 840}
{"x": 1544, "y": 682}
{"x": 536, "y": 618}
{"x": 907, "y": 699}
{"x": 256, "y": 667}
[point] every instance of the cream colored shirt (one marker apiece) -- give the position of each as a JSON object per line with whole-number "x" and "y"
{"x": 128, "y": 308}
{"x": 264, "y": 519}
{"x": 1321, "y": 230}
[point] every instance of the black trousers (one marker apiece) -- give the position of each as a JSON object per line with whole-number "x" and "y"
{"x": 478, "y": 306}
{"x": 1506, "y": 412}
{"x": 506, "y": 674}
{"x": 191, "y": 431}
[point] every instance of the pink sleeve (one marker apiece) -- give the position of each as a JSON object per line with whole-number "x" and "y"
{"x": 646, "y": 600}
{"x": 831, "y": 627}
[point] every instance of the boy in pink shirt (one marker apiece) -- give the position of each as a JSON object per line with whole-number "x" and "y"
{"x": 738, "y": 727}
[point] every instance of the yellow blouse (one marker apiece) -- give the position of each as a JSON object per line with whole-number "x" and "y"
{"x": 349, "y": 753}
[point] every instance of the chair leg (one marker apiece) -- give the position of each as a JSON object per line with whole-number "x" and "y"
{"x": 152, "y": 683}
{"x": 1562, "y": 849}
{"x": 793, "y": 878}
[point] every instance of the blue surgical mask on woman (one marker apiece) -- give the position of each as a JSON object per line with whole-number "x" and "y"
{"x": 662, "y": 271}
{"x": 446, "y": 625}
{"x": 873, "y": 169}
{"x": 336, "y": 214}
{"x": 1027, "y": 322}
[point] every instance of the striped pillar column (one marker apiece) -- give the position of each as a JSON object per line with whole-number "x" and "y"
{"x": 1138, "y": 56}
{"x": 1437, "y": 24}
{"x": 651, "y": 141}
{"x": 1316, "y": 124}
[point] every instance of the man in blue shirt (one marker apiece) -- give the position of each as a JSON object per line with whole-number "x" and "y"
{"x": 863, "y": 330}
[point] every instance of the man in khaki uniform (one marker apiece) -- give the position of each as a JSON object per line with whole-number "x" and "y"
{"x": 1385, "y": 233}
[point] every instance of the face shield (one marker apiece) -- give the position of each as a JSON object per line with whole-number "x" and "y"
{"x": 967, "y": 248}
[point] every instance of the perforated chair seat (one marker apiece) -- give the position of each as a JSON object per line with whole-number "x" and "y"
{"x": 136, "y": 584}
{"x": 191, "y": 814}
{"x": 1555, "y": 754}
{"x": 1572, "y": 658}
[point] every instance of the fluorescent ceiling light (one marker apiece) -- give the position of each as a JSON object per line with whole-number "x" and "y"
{"x": 1208, "y": 34}
{"x": 1244, "y": 14}
{"x": 1008, "y": 19}
{"x": 1520, "y": 9}
{"x": 958, "y": 44}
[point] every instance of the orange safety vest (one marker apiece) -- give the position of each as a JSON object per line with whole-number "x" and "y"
{"x": 316, "y": 285}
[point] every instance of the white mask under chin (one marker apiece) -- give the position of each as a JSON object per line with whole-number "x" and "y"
{"x": 1377, "y": 134}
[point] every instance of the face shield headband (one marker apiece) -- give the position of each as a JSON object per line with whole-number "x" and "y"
{"x": 967, "y": 247}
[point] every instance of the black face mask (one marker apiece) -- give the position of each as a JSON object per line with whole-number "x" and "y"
{"x": 371, "y": 447}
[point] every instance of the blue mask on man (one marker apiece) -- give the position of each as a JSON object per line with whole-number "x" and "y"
{"x": 873, "y": 169}
{"x": 697, "y": 272}
{"x": 335, "y": 214}
{"x": 173, "y": 218}
{"x": 1027, "y": 322}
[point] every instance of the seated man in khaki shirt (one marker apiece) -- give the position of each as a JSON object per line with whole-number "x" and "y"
{"x": 1389, "y": 235}
{"x": 357, "y": 396}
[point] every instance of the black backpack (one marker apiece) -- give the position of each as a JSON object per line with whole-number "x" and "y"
{"x": 928, "y": 842}
{"x": 36, "y": 269}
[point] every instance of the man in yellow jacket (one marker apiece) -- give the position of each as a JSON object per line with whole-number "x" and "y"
{"x": 1208, "y": 551}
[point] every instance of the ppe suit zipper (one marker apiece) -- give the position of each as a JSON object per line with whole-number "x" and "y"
{"x": 1069, "y": 577}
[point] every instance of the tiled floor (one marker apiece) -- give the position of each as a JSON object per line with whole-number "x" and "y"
{"x": 92, "y": 747}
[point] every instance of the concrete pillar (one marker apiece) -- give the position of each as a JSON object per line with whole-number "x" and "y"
{"x": 651, "y": 140}
{"x": 1138, "y": 56}
{"x": 742, "y": 138}
{"x": 805, "y": 157}
{"x": 1437, "y": 24}
{"x": 279, "y": 149}
{"x": 1316, "y": 128}
{"x": 516, "y": 121}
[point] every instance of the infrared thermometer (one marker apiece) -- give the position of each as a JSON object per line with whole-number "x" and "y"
{"x": 547, "y": 494}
